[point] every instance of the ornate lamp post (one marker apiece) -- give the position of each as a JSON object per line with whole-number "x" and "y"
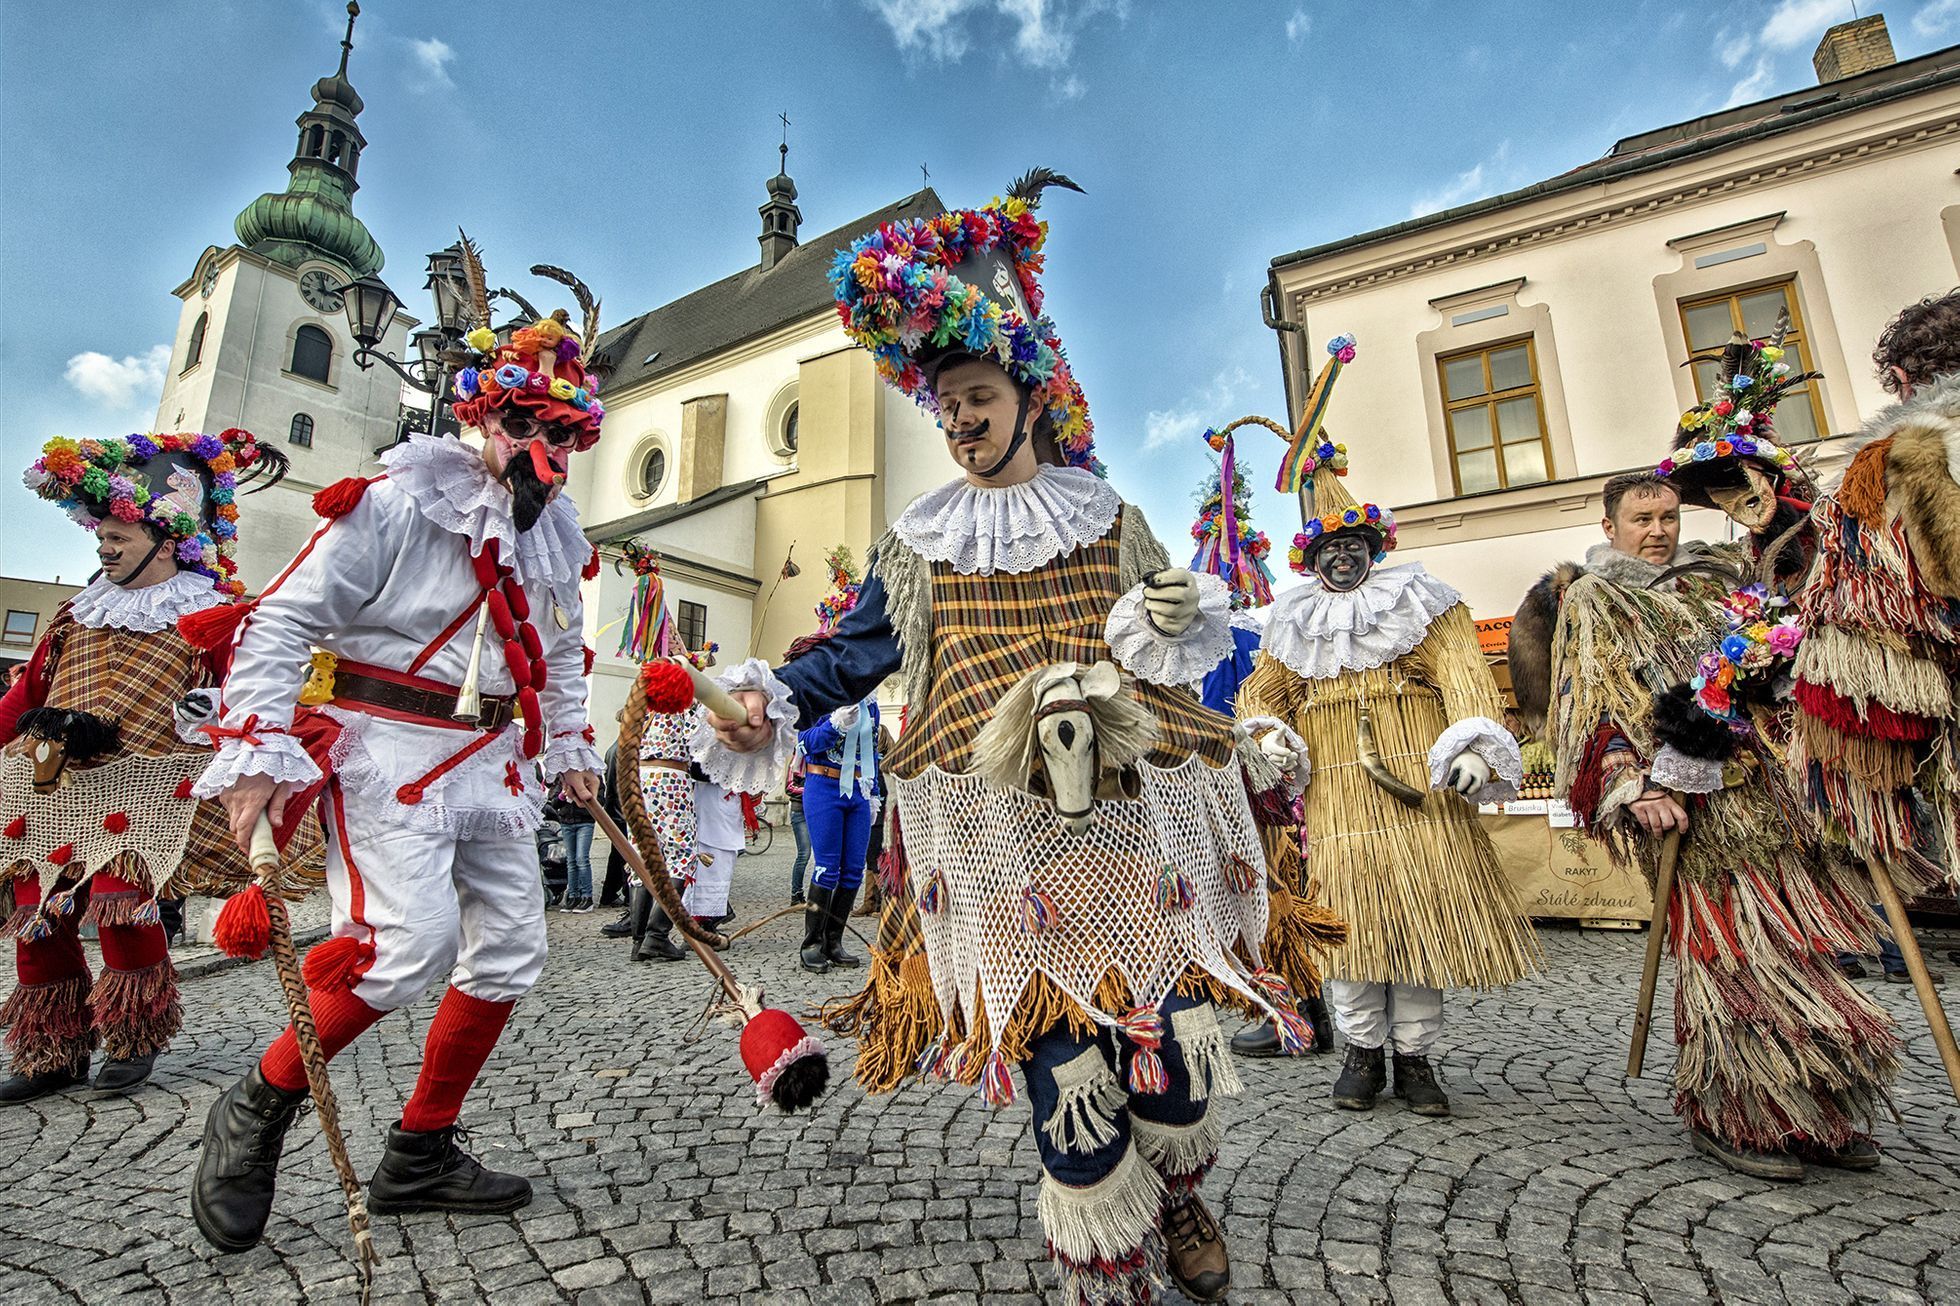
{"x": 371, "y": 308}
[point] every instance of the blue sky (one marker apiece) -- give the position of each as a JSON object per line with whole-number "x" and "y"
{"x": 629, "y": 141}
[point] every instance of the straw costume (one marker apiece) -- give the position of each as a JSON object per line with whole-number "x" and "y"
{"x": 101, "y": 748}
{"x": 1088, "y": 946}
{"x": 1677, "y": 687}
{"x": 1379, "y": 672}
{"x": 447, "y": 590}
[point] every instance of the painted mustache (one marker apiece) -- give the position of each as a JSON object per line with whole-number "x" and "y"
{"x": 974, "y": 434}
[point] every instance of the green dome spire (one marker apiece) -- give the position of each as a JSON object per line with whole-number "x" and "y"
{"x": 313, "y": 218}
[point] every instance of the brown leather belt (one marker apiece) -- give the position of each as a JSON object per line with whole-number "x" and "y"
{"x": 423, "y": 706}
{"x": 818, "y": 768}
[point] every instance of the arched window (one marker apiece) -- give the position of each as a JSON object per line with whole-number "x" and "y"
{"x": 786, "y": 438}
{"x": 196, "y": 350}
{"x": 312, "y": 353}
{"x": 302, "y": 432}
{"x": 653, "y": 472}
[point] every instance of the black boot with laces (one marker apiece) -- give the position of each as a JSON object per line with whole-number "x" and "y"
{"x": 1415, "y": 1083}
{"x": 231, "y": 1196}
{"x": 426, "y": 1170}
{"x": 1362, "y": 1079}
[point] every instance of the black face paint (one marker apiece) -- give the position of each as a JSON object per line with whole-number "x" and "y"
{"x": 528, "y": 494}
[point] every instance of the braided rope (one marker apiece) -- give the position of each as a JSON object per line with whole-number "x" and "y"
{"x": 633, "y": 803}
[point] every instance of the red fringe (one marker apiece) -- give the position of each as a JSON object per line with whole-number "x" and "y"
{"x": 213, "y": 628}
{"x": 117, "y": 907}
{"x": 48, "y": 1025}
{"x": 333, "y": 963}
{"x": 244, "y": 926}
{"x": 340, "y": 498}
{"x": 1589, "y": 784}
{"x": 1877, "y": 721}
{"x": 136, "y": 1010}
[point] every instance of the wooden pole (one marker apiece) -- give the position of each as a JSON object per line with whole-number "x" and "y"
{"x": 1922, "y": 983}
{"x": 1656, "y": 937}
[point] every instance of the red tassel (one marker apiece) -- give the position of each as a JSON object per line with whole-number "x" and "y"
{"x": 62, "y": 855}
{"x": 244, "y": 927}
{"x": 340, "y": 498}
{"x": 214, "y": 627}
{"x": 669, "y": 687}
{"x": 17, "y": 828}
{"x": 591, "y": 568}
{"x": 332, "y": 964}
{"x": 116, "y": 822}
{"x": 184, "y": 788}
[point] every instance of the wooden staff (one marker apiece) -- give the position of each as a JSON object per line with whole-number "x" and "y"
{"x": 1922, "y": 983}
{"x": 1650, "y": 970}
{"x": 285, "y": 960}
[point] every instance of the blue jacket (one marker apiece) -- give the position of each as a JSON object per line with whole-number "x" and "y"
{"x": 1222, "y": 684}
{"x": 848, "y": 667}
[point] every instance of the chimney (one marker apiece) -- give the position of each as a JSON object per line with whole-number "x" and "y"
{"x": 1848, "y": 49}
{"x": 780, "y": 216}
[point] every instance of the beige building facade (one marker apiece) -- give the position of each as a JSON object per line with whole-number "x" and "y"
{"x": 28, "y": 606}
{"x": 744, "y": 431}
{"x": 1517, "y": 351}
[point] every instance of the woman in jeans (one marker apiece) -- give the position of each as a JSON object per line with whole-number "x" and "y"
{"x": 575, "y": 828}
{"x": 793, "y": 789}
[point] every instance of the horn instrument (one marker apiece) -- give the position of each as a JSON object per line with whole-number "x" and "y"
{"x": 469, "y": 700}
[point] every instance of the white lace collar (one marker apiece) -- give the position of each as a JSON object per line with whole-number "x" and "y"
{"x": 1012, "y": 528}
{"x": 449, "y": 484}
{"x": 147, "y": 610}
{"x": 1319, "y": 633}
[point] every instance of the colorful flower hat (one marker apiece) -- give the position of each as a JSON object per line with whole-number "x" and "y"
{"x": 1714, "y": 439}
{"x": 540, "y": 371}
{"x": 965, "y": 282}
{"x": 1316, "y": 465}
{"x": 182, "y": 483}
{"x": 1228, "y": 547}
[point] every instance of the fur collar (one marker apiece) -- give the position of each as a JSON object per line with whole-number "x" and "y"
{"x": 1922, "y": 478}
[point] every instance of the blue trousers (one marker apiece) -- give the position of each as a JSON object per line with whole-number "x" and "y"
{"x": 578, "y": 859}
{"x": 840, "y": 831}
{"x": 801, "y": 829}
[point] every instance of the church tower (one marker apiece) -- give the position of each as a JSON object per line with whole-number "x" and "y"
{"x": 262, "y": 341}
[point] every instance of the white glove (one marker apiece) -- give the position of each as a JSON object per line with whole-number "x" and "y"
{"x": 845, "y": 717}
{"x": 1275, "y": 747}
{"x": 194, "y": 710}
{"x": 1170, "y": 601}
{"x": 1468, "y": 773}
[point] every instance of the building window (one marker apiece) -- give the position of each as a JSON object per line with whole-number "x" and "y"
{"x": 20, "y": 627}
{"x": 653, "y": 472}
{"x": 693, "y": 625}
{"x": 1709, "y": 322}
{"x": 196, "y": 350}
{"x": 312, "y": 353}
{"x": 1494, "y": 417}
{"x": 302, "y": 432}
{"x": 786, "y": 433}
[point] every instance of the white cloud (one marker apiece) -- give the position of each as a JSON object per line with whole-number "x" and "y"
{"x": 1044, "y": 32}
{"x": 1755, "y": 85}
{"x": 433, "y": 55}
{"x": 1936, "y": 19}
{"x": 1473, "y": 183}
{"x": 1792, "y": 25}
{"x": 1298, "y": 24}
{"x": 1798, "y": 23}
{"x": 119, "y": 382}
{"x": 1164, "y": 427}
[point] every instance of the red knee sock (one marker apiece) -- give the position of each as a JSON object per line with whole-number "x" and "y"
{"x": 460, "y": 1039}
{"x": 338, "y": 1016}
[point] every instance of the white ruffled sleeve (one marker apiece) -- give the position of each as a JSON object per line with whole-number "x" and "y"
{"x": 276, "y": 754}
{"x": 1685, "y": 773}
{"x": 1175, "y": 660}
{"x": 1488, "y": 740}
{"x": 757, "y": 772}
{"x": 570, "y": 751}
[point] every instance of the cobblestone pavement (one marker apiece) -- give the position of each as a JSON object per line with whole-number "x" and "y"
{"x": 657, "y": 1180}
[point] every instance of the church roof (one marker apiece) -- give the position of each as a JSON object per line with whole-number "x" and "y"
{"x": 738, "y": 308}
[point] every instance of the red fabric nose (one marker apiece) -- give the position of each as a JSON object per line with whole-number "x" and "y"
{"x": 541, "y": 463}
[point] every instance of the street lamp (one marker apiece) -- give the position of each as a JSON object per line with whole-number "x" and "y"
{"x": 450, "y": 288}
{"x": 371, "y": 308}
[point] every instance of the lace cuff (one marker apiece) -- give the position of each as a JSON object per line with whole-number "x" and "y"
{"x": 1684, "y": 772}
{"x": 276, "y": 754}
{"x": 749, "y": 773}
{"x": 1297, "y": 766}
{"x": 1176, "y": 660}
{"x": 570, "y": 753}
{"x": 1487, "y": 740}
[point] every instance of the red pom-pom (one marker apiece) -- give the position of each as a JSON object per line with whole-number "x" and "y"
{"x": 213, "y": 627}
{"x": 116, "y": 822}
{"x": 17, "y": 828}
{"x": 62, "y": 855}
{"x": 485, "y": 565}
{"x": 340, "y": 498}
{"x": 184, "y": 787}
{"x": 669, "y": 687}
{"x": 244, "y": 926}
{"x": 332, "y": 964}
{"x": 591, "y": 656}
{"x": 591, "y": 569}
{"x": 409, "y": 794}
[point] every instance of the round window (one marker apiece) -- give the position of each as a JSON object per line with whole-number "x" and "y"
{"x": 653, "y": 472}
{"x": 787, "y": 439}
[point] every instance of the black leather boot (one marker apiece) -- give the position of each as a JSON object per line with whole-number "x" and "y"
{"x": 657, "y": 943}
{"x": 1314, "y": 1008}
{"x": 815, "y": 952}
{"x": 833, "y": 929}
{"x": 427, "y": 1171}
{"x": 1362, "y": 1079}
{"x": 121, "y": 1076}
{"x": 1259, "y": 1039}
{"x": 231, "y": 1195}
{"x": 15, "y": 1089}
{"x": 639, "y": 911}
{"x": 1415, "y": 1083}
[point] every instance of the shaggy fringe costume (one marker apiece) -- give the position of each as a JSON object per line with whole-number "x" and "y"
{"x": 1877, "y": 741}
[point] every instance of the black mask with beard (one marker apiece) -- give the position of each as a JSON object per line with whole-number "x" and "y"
{"x": 528, "y": 494}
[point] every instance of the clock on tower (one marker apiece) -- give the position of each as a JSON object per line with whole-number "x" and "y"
{"x": 317, "y": 288}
